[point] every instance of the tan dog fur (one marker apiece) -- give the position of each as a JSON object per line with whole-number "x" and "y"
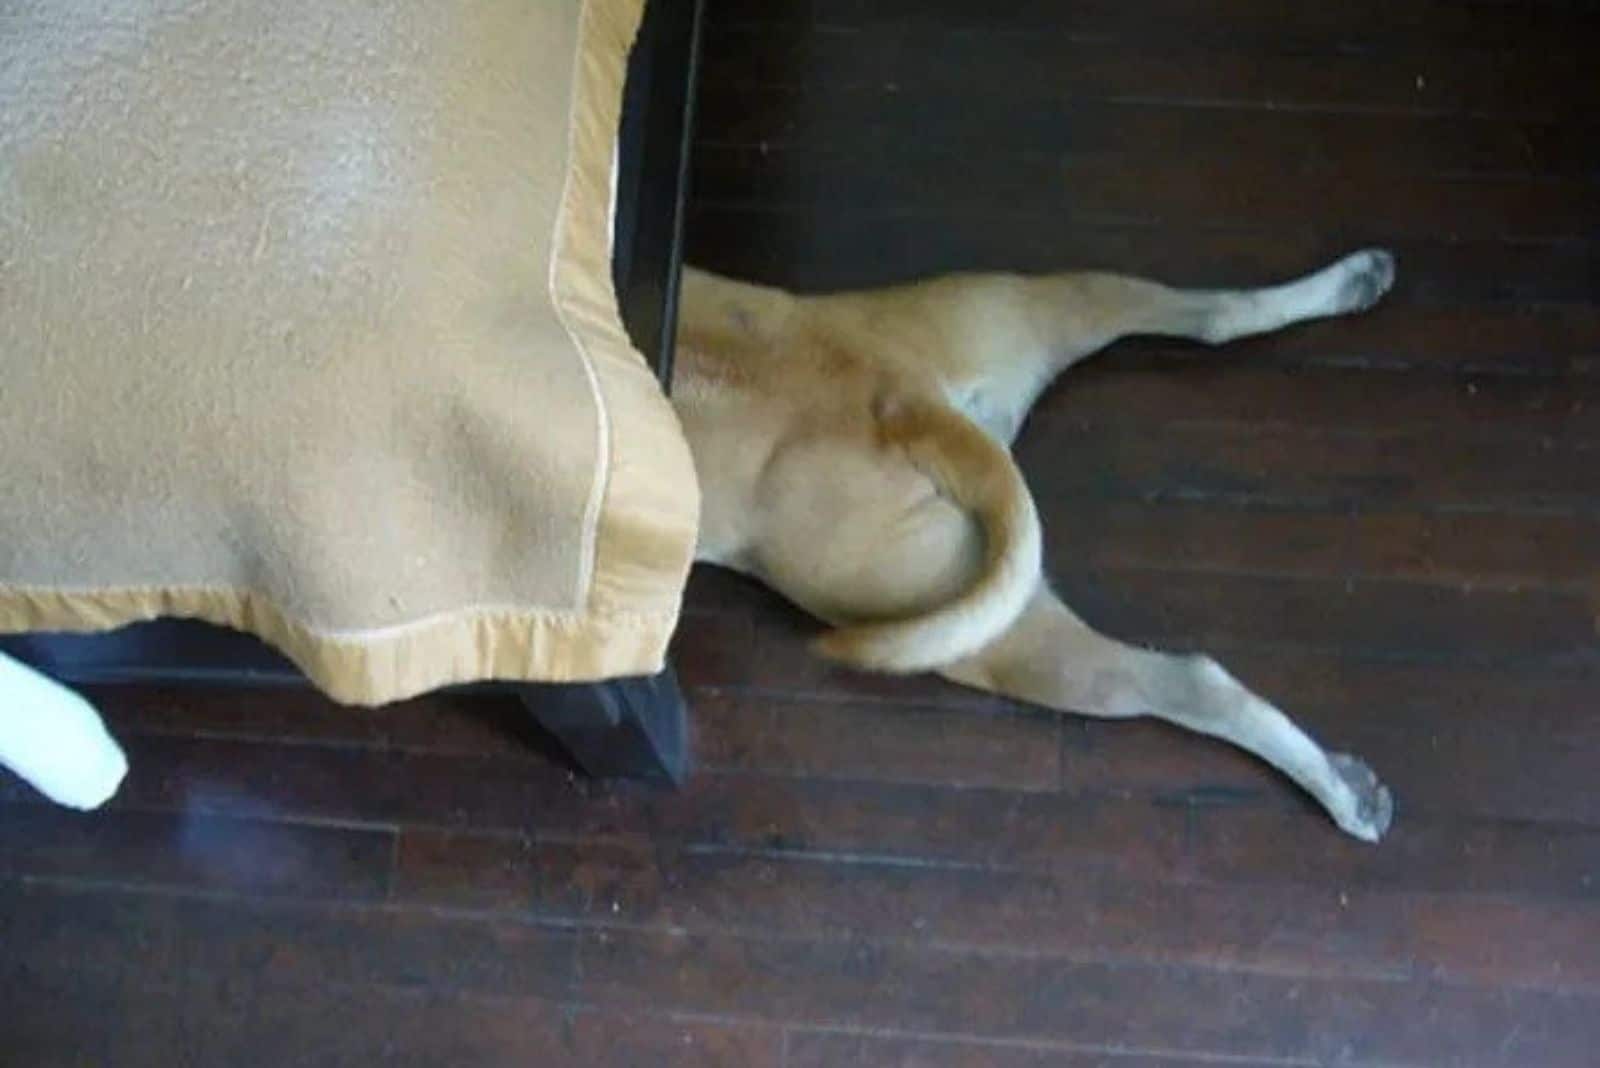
{"x": 854, "y": 454}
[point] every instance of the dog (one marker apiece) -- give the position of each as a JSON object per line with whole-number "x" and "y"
{"x": 853, "y": 452}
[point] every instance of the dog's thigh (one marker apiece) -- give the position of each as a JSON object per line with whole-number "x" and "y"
{"x": 850, "y": 533}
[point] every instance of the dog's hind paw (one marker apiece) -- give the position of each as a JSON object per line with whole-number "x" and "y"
{"x": 1368, "y": 276}
{"x": 1371, "y": 807}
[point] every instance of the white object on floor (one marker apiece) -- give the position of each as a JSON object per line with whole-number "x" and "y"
{"x": 55, "y": 740}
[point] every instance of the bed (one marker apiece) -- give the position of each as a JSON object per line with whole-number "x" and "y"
{"x": 613, "y": 721}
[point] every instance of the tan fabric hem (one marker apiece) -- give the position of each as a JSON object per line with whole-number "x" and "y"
{"x": 644, "y": 552}
{"x": 473, "y": 645}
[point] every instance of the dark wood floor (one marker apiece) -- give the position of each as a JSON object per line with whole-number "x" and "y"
{"x": 1391, "y": 525}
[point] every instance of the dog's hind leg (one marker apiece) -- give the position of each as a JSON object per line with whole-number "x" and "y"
{"x": 1050, "y": 657}
{"x": 1119, "y": 307}
{"x": 1011, "y": 335}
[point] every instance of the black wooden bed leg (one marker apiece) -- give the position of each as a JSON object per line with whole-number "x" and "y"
{"x": 634, "y": 728}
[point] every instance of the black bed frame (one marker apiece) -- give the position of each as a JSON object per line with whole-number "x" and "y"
{"x": 633, "y": 727}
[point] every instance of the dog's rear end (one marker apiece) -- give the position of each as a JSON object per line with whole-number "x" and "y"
{"x": 853, "y": 454}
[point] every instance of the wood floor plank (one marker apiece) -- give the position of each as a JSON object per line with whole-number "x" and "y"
{"x": 1558, "y": 705}
{"x": 1479, "y": 82}
{"x": 1200, "y": 610}
{"x": 108, "y": 977}
{"x": 1468, "y": 771}
{"x": 851, "y": 984}
{"x": 1479, "y": 550}
{"x": 304, "y": 716}
{"x": 912, "y": 822}
{"x": 865, "y": 121}
{"x": 452, "y": 722}
{"x": 1531, "y": 339}
{"x": 1329, "y": 931}
{"x": 1366, "y": 25}
{"x": 1311, "y": 466}
{"x": 1192, "y": 388}
{"x": 1005, "y": 747}
{"x": 54, "y": 932}
{"x": 270, "y": 781}
{"x": 340, "y": 1027}
{"x": 823, "y": 1049}
{"x": 1463, "y": 551}
{"x": 197, "y": 852}
{"x": 1080, "y": 835}
{"x": 908, "y": 824}
{"x": 1224, "y": 191}
{"x": 1259, "y": 845}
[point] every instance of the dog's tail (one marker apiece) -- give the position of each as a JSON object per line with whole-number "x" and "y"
{"x": 977, "y": 473}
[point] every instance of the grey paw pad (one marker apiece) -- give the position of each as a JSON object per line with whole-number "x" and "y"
{"x": 1371, "y": 276}
{"x": 1374, "y": 808}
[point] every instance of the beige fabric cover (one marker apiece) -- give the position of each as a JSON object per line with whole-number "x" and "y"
{"x": 306, "y": 327}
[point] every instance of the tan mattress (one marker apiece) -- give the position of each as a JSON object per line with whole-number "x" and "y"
{"x": 306, "y": 328}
